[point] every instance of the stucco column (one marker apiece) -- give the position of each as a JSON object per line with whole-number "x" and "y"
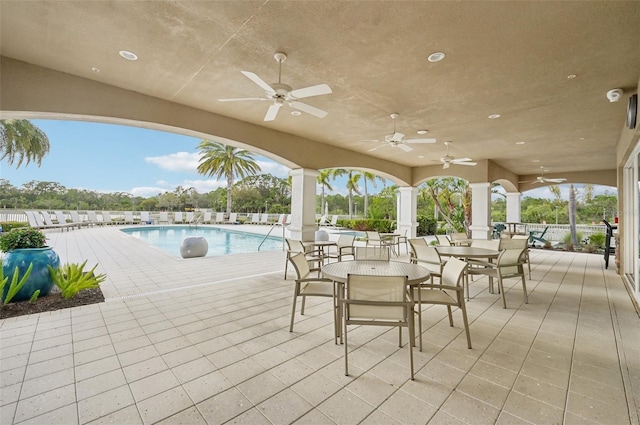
{"x": 303, "y": 204}
{"x": 513, "y": 207}
{"x": 480, "y": 210}
{"x": 407, "y": 210}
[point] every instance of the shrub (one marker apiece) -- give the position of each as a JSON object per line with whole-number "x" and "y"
{"x": 597, "y": 239}
{"x": 26, "y": 237}
{"x": 8, "y": 226}
{"x": 15, "y": 285}
{"x": 426, "y": 226}
{"x": 71, "y": 278}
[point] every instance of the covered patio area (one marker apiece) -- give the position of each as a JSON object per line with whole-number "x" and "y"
{"x": 205, "y": 341}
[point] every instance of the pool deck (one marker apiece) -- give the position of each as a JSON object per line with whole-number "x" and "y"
{"x": 206, "y": 341}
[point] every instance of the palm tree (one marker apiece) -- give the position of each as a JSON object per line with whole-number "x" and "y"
{"x": 352, "y": 186}
{"x": 323, "y": 181}
{"x": 225, "y": 161}
{"x": 367, "y": 176}
{"x": 21, "y": 140}
{"x": 572, "y": 215}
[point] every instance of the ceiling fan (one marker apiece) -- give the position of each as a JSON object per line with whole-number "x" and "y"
{"x": 542, "y": 179}
{"x": 448, "y": 160}
{"x": 280, "y": 93}
{"x": 397, "y": 140}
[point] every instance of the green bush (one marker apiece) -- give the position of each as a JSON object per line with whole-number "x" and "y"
{"x": 15, "y": 286}
{"x": 426, "y": 226}
{"x": 379, "y": 225}
{"x": 71, "y": 278}
{"x": 597, "y": 239}
{"x": 26, "y": 237}
{"x": 8, "y": 226}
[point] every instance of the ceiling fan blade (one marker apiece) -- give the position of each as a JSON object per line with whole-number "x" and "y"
{"x": 555, "y": 180}
{"x": 272, "y": 112}
{"x": 446, "y": 165}
{"x": 259, "y": 81}
{"x": 461, "y": 160}
{"x": 420, "y": 140}
{"x": 404, "y": 147}
{"x": 465, "y": 163}
{"x": 312, "y": 110}
{"x": 310, "y": 91}
{"x": 240, "y": 99}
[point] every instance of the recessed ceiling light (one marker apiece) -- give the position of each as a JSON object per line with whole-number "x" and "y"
{"x": 571, "y": 76}
{"x": 422, "y": 131}
{"x": 96, "y": 70}
{"x": 582, "y": 138}
{"x": 520, "y": 143}
{"x": 296, "y": 113}
{"x": 130, "y": 56}
{"x": 436, "y": 57}
{"x": 494, "y": 116}
{"x": 420, "y": 156}
{"x": 536, "y": 160}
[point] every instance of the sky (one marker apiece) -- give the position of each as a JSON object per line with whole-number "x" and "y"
{"x": 142, "y": 162}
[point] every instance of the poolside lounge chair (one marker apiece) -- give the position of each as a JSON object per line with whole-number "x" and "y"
{"x": 75, "y": 218}
{"x": 233, "y": 218}
{"x": 63, "y": 220}
{"x": 48, "y": 222}
{"x": 164, "y": 217}
{"x": 255, "y": 218}
{"x": 93, "y": 218}
{"x": 219, "y": 217}
{"x": 177, "y": 217}
{"x": 145, "y": 218}
{"x": 36, "y": 223}
{"x": 264, "y": 219}
{"x": 128, "y": 217}
{"x": 206, "y": 217}
{"x": 106, "y": 216}
{"x": 190, "y": 217}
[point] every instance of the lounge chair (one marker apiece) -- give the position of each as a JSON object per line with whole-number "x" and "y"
{"x": 106, "y": 216}
{"x": 48, "y": 222}
{"x": 255, "y": 218}
{"x": 219, "y": 217}
{"x": 177, "y": 217}
{"x": 233, "y": 218}
{"x": 206, "y": 218}
{"x": 164, "y": 217}
{"x": 63, "y": 220}
{"x": 190, "y": 217}
{"x": 128, "y": 217}
{"x": 36, "y": 223}
{"x": 75, "y": 218}
{"x": 144, "y": 217}
{"x": 264, "y": 219}
{"x": 93, "y": 218}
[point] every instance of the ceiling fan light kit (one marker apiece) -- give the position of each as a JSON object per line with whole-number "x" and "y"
{"x": 281, "y": 94}
{"x": 397, "y": 140}
{"x": 449, "y": 160}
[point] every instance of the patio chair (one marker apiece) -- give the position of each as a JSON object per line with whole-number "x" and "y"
{"x": 128, "y": 217}
{"x": 49, "y": 223}
{"x": 264, "y": 219}
{"x": 518, "y": 241}
{"x": 206, "y": 217}
{"x": 377, "y": 301}
{"x": 62, "y": 220}
{"x": 177, "y": 217}
{"x": 510, "y": 264}
{"x": 309, "y": 286}
{"x": 295, "y": 247}
{"x": 75, "y": 218}
{"x": 372, "y": 253}
{"x": 219, "y": 217}
{"x": 93, "y": 218}
{"x": 416, "y": 241}
{"x": 106, "y": 217}
{"x": 537, "y": 237}
{"x": 429, "y": 258}
{"x": 35, "y": 220}
{"x": 255, "y": 218}
{"x": 443, "y": 240}
{"x": 449, "y": 292}
{"x": 189, "y": 217}
{"x": 233, "y": 218}
{"x": 344, "y": 248}
{"x": 609, "y": 247}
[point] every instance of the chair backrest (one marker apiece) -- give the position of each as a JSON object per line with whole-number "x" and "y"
{"x": 38, "y": 218}
{"x": 106, "y": 216}
{"x": 443, "y": 240}
{"x": 372, "y": 253}
{"x": 375, "y": 291}
{"x": 144, "y": 216}
{"x": 164, "y": 217}
{"x": 334, "y": 220}
{"x": 60, "y": 217}
{"x": 428, "y": 254}
{"x": 177, "y": 216}
{"x": 345, "y": 240}
{"x": 47, "y": 218}
{"x": 453, "y": 271}
{"x": 92, "y": 216}
{"x": 373, "y": 236}
{"x": 493, "y": 244}
{"x": 295, "y": 246}
{"x": 31, "y": 218}
{"x": 75, "y": 217}
{"x": 190, "y": 216}
{"x": 219, "y": 217}
{"x": 458, "y": 236}
{"x": 510, "y": 262}
{"x": 289, "y": 217}
{"x": 233, "y": 217}
{"x": 264, "y": 219}
{"x": 207, "y": 217}
{"x": 513, "y": 243}
{"x": 417, "y": 241}
{"x": 255, "y": 218}
{"x": 128, "y": 216}
{"x": 301, "y": 265}
{"x": 281, "y": 218}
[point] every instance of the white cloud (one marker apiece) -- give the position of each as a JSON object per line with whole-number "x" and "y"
{"x": 179, "y": 161}
{"x": 147, "y": 191}
{"x": 273, "y": 168}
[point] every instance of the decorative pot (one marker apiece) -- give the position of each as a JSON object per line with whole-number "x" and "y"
{"x": 40, "y": 277}
{"x": 194, "y": 246}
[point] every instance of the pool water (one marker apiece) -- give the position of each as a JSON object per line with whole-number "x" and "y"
{"x": 221, "y": 241}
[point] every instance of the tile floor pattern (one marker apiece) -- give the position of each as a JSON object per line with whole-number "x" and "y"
{"x": 205, "y": 341}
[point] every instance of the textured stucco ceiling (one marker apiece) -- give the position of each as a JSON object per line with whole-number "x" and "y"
{"x": 507, "y": 58}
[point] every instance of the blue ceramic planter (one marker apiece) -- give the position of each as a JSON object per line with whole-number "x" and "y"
{"x": 40, "y": 277}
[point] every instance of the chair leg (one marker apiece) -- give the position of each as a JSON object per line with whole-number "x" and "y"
{"x": 501, "y": 289}
{"x": 524, "y": 289}
{"x": 293, "y": 306}
{"x": 450, "y": 316}
{"x": 286, "y": 263}
{"x": 412, "y": 337}
{"x": 419, "y": 313}
{"x": 466, "y": 323}
{"x": 346, "y": 351}
{"x": 304, "y": 299}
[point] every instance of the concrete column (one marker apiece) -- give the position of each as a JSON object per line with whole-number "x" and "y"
{"x": 480, "y": 210}
{"x": 303, "y": 204}
{"x": 513, "y": 207}
{"x": 407, "y": 211}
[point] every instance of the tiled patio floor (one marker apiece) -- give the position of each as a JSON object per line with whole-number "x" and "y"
{"x": 206, "y": 341}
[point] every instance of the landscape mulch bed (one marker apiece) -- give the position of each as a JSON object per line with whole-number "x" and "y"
{"x": 51, "y": 302}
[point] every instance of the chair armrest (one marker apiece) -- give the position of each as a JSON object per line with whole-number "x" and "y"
{"x": 438, "y": 286}
{"x": 314, "y": 279}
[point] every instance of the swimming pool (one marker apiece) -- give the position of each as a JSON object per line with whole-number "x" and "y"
{"x": 221, "y": 241}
